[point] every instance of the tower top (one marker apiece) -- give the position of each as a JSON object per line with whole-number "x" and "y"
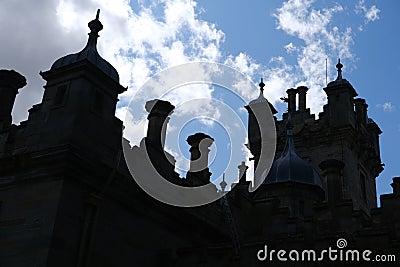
{"x": 90, "y": 52}
{"x": 262, "y": 99}
{"x": 95, "y": 27}
{"x": 340, "y": 81}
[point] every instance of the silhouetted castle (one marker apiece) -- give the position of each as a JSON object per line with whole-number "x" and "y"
{"x": 67, "y": 197}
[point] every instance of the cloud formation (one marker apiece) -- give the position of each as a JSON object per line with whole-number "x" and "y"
{"x": 158, "y": 34}
{"x": 370, "y": 14}
{"x": 319, "y": 40}
{"x": 387, "y": 107}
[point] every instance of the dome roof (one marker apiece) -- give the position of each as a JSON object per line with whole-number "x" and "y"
{"x": 90, "y": 53}
{"x": 290, "y": 167}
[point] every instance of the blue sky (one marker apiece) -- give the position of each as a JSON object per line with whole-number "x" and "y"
{"x": 252, "y": 28}
{"x": 286, "y": 42}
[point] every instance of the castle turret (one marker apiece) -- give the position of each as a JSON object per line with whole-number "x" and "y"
{"x": 292, "y": 180}
{"x": 79, "y": 102}
{"x": 254, "y": 132}
{"x": 340, "y": 105}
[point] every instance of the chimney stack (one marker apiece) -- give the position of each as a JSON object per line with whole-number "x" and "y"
{"x": 291, "y": 99}
{"x": 396, "y": 185}
{"x": 361, "y": 110}
{"x": 159, "y": 110}
{"x": 302, "y": 90}
{"x": 332, "y": 169}
{"x": 10, "y": 82}
{"x": 199, "y": 150}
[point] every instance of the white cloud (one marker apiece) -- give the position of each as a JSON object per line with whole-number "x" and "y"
{"x": 244, "y": 63}
{"x": 137, "y": 43}
{"x": 290, "y": 48}
{"x": 387, "y": 106}
{"x": 370, "y": 14}
{"x": 322, "y": 40}
{"x": 163, "y": 33}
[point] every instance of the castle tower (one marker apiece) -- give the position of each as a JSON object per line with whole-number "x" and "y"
{"x": 79, "y": 101}
{"x": 343, "y": 132}
{"x": 254, "y": 132}
{"x": 340, "y": 101}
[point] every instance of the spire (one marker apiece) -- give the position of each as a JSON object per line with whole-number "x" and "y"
{"x": 95, "y": 27}
{"x": 339, "y": 67}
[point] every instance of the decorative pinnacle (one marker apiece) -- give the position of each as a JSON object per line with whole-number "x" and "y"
{"x": 339, "y": 67}
{"x": 223, "y": 184}
{"x": 95, "y": 25}
{"x": 262, "y": 84}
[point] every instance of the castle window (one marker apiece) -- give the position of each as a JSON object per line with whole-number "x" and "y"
{"x": 60, "y": 95}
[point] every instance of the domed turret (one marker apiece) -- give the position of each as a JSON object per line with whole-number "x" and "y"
{"x": 90, "y": 53}
{"x": 259, "y": 105}
{"x": 292, "y": 180}
{"x": 290, "y": 167}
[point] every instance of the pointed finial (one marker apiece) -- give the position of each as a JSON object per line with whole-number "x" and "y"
{"x": 262, "y": 84}
{"x": 339, "y": 67}
{"x": 95, "y": 25}
{"x": 223, "y": 184}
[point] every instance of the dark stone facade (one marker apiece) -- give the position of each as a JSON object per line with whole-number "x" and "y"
{"x": 67, "y": 197}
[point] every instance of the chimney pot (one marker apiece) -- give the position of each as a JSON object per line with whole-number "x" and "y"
{"x": 396, "y": 185}
{"x": 291, "y": 99}
{"x": 159, "y": 111}
{"x": 302, "y": 90}
{"x": 10, "y": 82}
